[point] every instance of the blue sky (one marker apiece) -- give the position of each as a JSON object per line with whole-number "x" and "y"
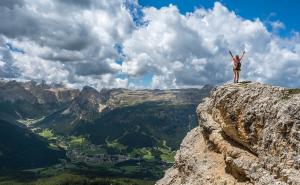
{"x": 133, "y": 46}
{"x": 286, "y": 12}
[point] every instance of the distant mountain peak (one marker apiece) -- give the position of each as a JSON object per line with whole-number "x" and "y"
{"x": 89, "y": 89}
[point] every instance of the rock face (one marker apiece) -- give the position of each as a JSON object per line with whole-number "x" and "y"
{"x": 13, "y": 91}
{"x": 248, "y": 133}
{"x": 34, "y": 93}
{"x": 23, "y": 100}
{"x": 47, "y": 94}
{"x": 126, "y": 97}
{"x": 87, "y": 104}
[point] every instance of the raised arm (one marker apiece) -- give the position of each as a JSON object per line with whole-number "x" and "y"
{"x": 231, "y": 54}
{"x": 242, "y": 55}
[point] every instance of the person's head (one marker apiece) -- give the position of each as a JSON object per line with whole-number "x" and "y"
{"x": 237, "y": 57}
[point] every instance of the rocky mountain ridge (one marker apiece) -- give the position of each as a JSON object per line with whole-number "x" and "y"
{"x": 89, "y": 102}
{"x": 35, "y": 93}
{"x": 86, "y": 103}
{"x": 124, "y": 133}
{"x": 248, "y": 133}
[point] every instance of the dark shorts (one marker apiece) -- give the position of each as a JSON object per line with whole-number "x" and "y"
{"x": 236, "y": 69}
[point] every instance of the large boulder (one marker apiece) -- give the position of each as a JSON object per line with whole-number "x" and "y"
{"x": 249, "y": 133}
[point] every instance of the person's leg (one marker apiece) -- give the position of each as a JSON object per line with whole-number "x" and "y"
{"x": 237, "y": 76}
{"x": 234, "y": 80}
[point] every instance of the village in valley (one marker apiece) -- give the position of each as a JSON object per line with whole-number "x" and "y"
{"x": 80, "y": 151}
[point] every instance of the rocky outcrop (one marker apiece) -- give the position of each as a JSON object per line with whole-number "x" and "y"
{"x": 47, "y": 94}
{"x": 64, "y": 94}
{"x": 126, "y": 97}
{"x": 35, "y": 93}
{"x": 88, "y": 104}
{"x": 22, "y": 100}
{"x": 249, "y": 133}
{"x": 13, "y": 91}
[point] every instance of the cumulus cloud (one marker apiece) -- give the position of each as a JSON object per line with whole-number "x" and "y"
{"x": 277, "y": 25}
{"x": 192, "y": 49}
{"x": 64, "y": 40}
{"x": 116, "y": 43}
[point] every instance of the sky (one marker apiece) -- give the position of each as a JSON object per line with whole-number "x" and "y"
{"x": 266, "y": 10}
{"x": 149, "y": 44}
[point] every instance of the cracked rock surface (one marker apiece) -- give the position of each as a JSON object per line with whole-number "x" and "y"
{"x": 248, "y": 133}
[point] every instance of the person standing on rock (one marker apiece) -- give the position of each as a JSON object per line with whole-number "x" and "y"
{"x": 236, "y": 66}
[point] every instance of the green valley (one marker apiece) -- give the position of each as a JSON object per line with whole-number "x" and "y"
{"x": 115, "y": 136}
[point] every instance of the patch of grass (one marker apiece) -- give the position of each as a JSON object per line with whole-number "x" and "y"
{"x": 48, "y": 134}
{"x": 287, "y": 93}
{"x": 167, "y": 155}
{"x": 77, "y": 141}
{"x": 244, "y": 83}
{"x": 293, "y": 91}
{"x": 145, "y": 153}
{"x": 115, "y": 145}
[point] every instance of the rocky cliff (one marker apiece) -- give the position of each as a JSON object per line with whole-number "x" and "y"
{"x": 34, "y": 93}
{"x": 248, "y": 133}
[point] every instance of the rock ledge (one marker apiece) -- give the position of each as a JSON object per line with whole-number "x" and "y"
{"x": 248, "y": 133}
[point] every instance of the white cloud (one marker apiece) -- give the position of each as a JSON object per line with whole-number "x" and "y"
{"x": 74, "y": 42}
{"x": 277, "y": 25}
{"x": 65, "y": 40}
{"x": 192, "y": 49}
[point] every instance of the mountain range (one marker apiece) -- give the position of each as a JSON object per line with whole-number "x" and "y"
{"x": 115, "y": 130}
